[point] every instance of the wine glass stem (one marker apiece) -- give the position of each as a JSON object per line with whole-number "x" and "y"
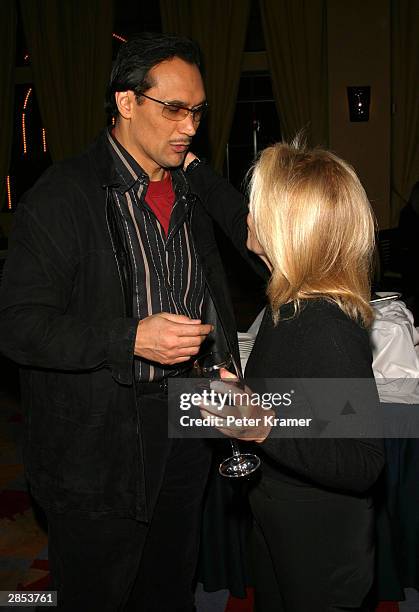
{"x": 235, "y": 447}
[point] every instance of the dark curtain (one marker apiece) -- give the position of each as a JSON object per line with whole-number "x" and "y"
{"x": 296, "y": 44}
{"x": 219, "y": 26}
{"x": 405, "y": 88}
{"x": 7, "y": 86}
{"x": 70, "y": 45}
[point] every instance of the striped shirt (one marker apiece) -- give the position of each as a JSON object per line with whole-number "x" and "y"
{"x": 167, "y": 272}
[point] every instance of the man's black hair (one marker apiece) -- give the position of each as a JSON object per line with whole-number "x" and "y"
{"x": 139, "y": 55}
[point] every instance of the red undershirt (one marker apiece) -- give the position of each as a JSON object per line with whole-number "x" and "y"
{"x": 161, "y": 197}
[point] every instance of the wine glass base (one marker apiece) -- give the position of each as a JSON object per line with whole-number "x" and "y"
{"x": 239, "y": 466}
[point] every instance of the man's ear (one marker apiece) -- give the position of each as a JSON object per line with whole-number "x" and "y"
{"x": 125, "y": 101}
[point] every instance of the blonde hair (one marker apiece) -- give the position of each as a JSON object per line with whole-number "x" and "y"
{"x": 313, "y": 219}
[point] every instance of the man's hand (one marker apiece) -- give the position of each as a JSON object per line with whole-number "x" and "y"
{"x": 169, "y": 338}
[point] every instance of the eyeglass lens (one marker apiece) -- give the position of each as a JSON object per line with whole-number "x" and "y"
{"x": 176, "y": 113}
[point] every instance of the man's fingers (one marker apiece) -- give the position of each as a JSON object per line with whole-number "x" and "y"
{"x": 176, "y": 318}
{"x": 179, "y": 360}
{"x": 184, "y": 354}
{"x": 190, "y": 341}
{"x": 186, "y": 326}
{"x": 193, "y": 330}
{"x": 166, "y": 337}
{"x": 187, "y": 350}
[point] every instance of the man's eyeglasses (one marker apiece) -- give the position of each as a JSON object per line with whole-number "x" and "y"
{"x": 174, "y": 112}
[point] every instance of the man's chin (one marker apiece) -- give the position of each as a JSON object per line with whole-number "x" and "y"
{"x": 176, "y": 161}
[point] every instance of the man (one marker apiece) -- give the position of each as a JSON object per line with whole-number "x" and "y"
{"x": 112, "y": 285}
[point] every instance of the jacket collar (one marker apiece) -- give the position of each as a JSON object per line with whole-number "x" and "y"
{"x": 127, "y": 167}
{"x": 101, "y": 159}
{"x": 100, "y": 156}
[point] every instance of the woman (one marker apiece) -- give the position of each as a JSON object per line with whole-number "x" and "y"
{"x": 311, "y": 223}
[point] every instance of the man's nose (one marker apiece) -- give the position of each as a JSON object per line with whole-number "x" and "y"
{"x": 188, "y": 125}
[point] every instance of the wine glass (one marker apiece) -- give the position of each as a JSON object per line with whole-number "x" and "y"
{"x": 239, "y": 464}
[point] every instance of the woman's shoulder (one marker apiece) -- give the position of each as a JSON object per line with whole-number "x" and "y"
{"x": 315, "y": 317}
{"x": 322, "y": 309}
{"x": 334, "y": 344}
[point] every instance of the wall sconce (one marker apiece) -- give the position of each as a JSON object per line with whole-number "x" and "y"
{"x": 359, "y": 102}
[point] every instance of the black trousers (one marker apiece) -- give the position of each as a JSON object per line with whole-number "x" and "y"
{"x": 311, "y": 549}
{"x": 119, "y": 564}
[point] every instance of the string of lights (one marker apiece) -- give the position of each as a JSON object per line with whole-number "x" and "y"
{"x": 44, "y": 140}
{"x": 118, "y": 37}
{"x": 25, "y": 104}
{"x": 25, "y": 125}
{"x": 9, "y": 193}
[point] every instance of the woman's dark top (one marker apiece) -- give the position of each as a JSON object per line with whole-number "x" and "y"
{"x": 319, "y": 342}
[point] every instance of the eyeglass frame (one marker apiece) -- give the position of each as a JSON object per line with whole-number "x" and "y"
{"x": 203, "y": 108}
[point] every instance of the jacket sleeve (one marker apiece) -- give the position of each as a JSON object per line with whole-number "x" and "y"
{"x": 37, "y": 326}
{"x": 227, "y": 207}
{"x": 343, "y": 464}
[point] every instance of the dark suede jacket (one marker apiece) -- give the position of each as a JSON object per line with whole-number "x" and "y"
{"x": 65, "y": 317}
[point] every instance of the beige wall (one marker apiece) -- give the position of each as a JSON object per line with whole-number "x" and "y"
{"x": 359, "y": 54}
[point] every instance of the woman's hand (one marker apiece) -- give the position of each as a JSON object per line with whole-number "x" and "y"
{"x": 188, "y": 159}
{"x": 241, "y": 419}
